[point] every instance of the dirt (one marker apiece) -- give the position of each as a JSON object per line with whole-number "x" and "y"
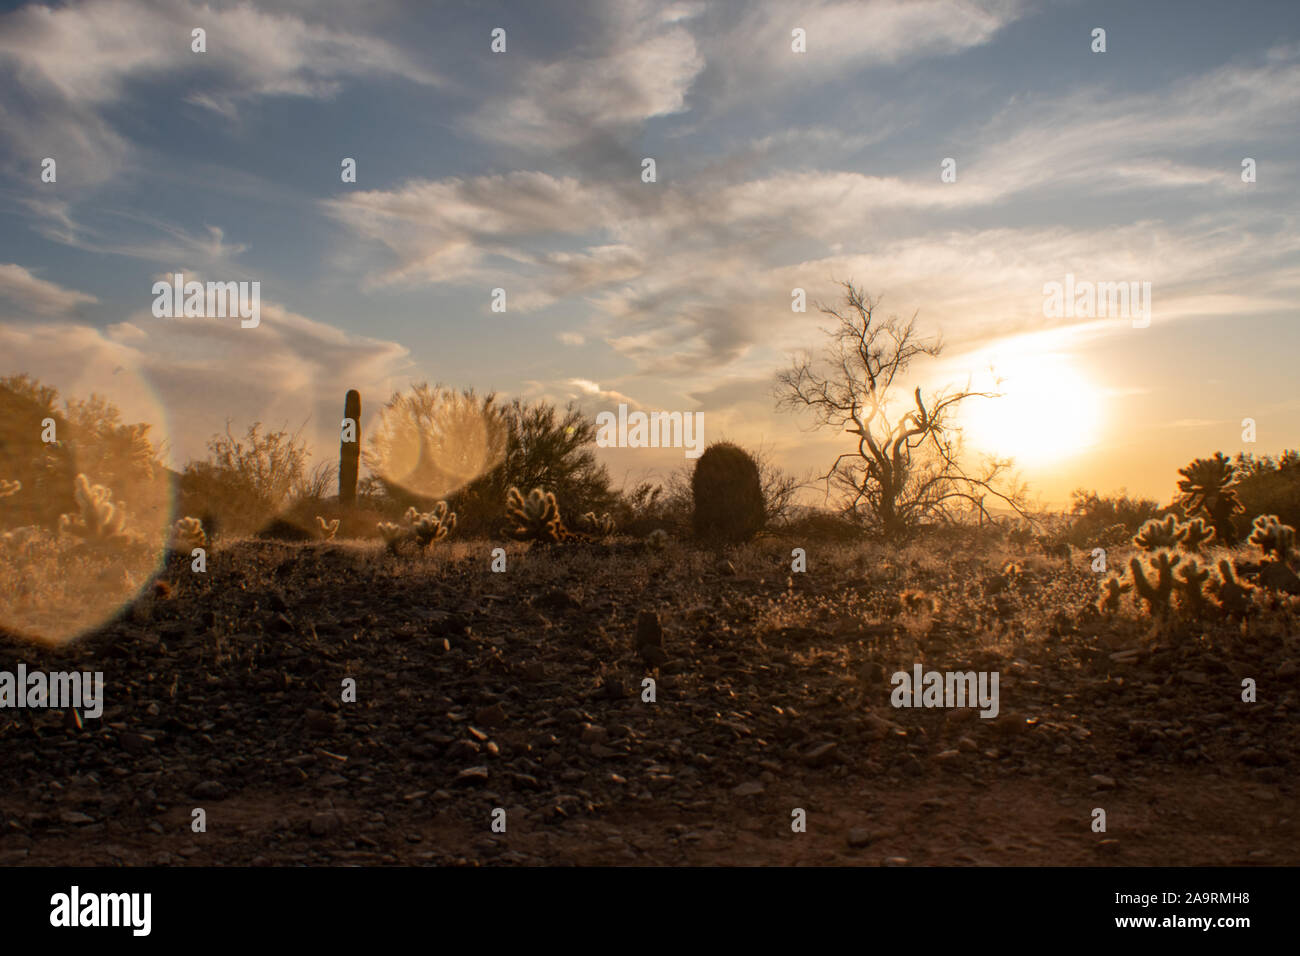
{"x": 522, "y": 691}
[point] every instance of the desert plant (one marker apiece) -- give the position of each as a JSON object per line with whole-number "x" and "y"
{"x": 327, "y": 528}
{"x": 1208, "y": 489}
{"x": 100, "y": 519}
{"x": 600, "y": 527}
{"x": 1112, "y": 589}
{"x": 1196, "y": 533}
{"x": 1190, "y": 585}
{"x": 9, "y": 488}
{"x": 728, "y": 494}
{"x": 905, "y": 467}
{"x": 188, "y": 534}
{"x": 1273, "y": 537}
{"x": 1159, "y": 534}
{"x": 1155, "y": 595}
{"x": 1106, "y": 521}
{"x": 657, "y": 539}
{"x": 535, "y": 518}
{"x": 431, "y": 526}
{"x": 1233, "y": 596}
{"x": 350, "y": 451}
{"x": 393, "y": 534}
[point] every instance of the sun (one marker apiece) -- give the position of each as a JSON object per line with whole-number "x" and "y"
{"x": 1046, "y": 412}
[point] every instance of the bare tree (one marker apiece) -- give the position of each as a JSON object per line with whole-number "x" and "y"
{"x": 905, "y": 469}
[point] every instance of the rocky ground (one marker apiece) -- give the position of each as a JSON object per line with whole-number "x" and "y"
{"x": 523, "y": 690}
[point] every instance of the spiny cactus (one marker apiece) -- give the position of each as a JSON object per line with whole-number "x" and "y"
{"x": 188, "y": 534}
{"x": 601, "y": 527}
{"x": 431, "y": 526}
{"x": 1155, "y": 595}
{"x": 327, "y": 528}
{"x": 1159, "y": 534}
{"x": 1196, "y": 533}
{"x": 1112, "y": 589}
{"x": 657, "y": 539}
{"x": 728, "y": 494}
{"x": 535, "y": 518}
{"x": 100, "y": 519}
{"x": 1273, "y": 537}
{"x": 1208, "y": 488}
{"x": 1233, "y": 596}
{"x": 9, "y": 488}
{"x": 350, "y": 452}
{"x": 1191, "y": 587}
{"x": 393, "y": 534}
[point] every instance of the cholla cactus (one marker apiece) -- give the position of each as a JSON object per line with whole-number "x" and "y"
{"x": 1196, "y": 533}
{"x": 1209, "y": 488}
{"x": 327, "y": 528}
{"x": 393, "y": 534}
{"x": 100, "y": 518}
{"x": 432, "y": 525}
{"x": 602, "y": 527}
{"x": 1156, "y": 595}
{"x": 1233, "y": 596}
{"x": 536, "y": 518}
{"x": 1159, "y": 534}
{"x": 1273, "y": 537}
{"x": 657, "y": 539}
{"x": 9, "y": 488}
{"x": 188, "y": 534}
{"x": 1112, "y": 589}
{"x": 1191, "y": 587}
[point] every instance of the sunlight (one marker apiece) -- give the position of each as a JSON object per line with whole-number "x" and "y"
{"x": 1047, "y": 411}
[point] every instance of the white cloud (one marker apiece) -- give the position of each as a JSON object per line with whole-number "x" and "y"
{"x": 72, "y": 63}
{"x": 25, "y": 293}
{"x": 187, "y": 376}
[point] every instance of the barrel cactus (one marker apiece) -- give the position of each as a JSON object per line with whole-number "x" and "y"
{"x": 728, "y": 494}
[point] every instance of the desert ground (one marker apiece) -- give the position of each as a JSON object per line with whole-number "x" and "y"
{"x": 522, "y": 690}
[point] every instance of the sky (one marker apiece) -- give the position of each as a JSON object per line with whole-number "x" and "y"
{"x": 774, "y": 170}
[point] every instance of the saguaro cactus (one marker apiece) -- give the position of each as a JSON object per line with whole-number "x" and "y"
{"x": 350, "y": 451}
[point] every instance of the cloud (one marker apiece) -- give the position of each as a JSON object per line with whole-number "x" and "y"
{"x": 188, "y": 376}
{"x": 24, "y": 293}
{"x": 68, "y": 66}
{"x": 639, "y": 65}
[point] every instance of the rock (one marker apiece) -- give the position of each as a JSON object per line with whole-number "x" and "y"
{"x": 593, "y": 733}
{"x": 74, "y": 818}
{"x": 821, "y": 754}
{"x": 967, "y": 745}
{"x": 323, "y": 824}
{"x": 1102, "y": 781}
{"x": 859, "y": 837}
{"x": 492, "y": 716}
{"x": 472, "y": 775}
{"x": 749, "y": 789}
{"x": 209, "y": 790}
{"x": 135, "y": 744}
{"x": 649, "y": 632}
{"x": 877, "y": 728}
{"x": 1288, "y": 669}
